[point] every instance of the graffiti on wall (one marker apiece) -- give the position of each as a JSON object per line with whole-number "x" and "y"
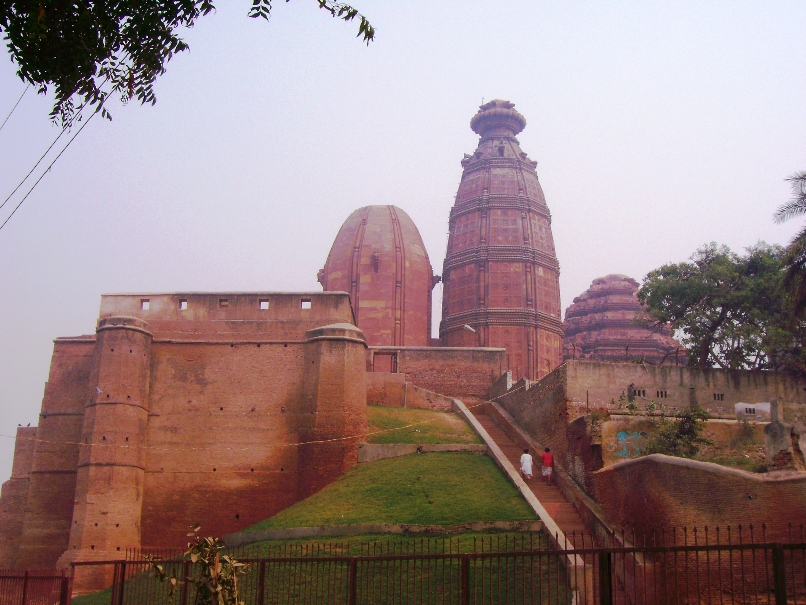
{"x": 629, "y": 444}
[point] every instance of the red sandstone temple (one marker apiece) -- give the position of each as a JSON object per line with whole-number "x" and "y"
{"x": 501, "y": 274}
{"x": 603, "y": 324}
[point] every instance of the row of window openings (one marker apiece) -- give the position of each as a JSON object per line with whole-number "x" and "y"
{"x": 223, "y": 303}
{"x": 665, "y": 395}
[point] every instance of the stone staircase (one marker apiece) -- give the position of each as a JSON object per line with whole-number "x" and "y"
{"x": 564, "y": 513}
{"x": 561, "y": 510}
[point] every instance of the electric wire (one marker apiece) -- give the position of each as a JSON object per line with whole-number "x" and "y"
{"x": 76, "y": 116}
{"x": 49, "y": 167}
{"x": 15, "y": 106}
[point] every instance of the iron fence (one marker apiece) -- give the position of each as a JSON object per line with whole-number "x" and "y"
{"x": 727, "y": 566}
{"x": 34, "y": 587}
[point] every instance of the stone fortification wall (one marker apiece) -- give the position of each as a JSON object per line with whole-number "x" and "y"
{"x": 209, "y": 409}
{"x": 450, "y": 371}
{"x": 594, "y": 385}
{"x": 658, "y": 492}
{"x": 392, "y": 390}
{"x": 14, "y": 495}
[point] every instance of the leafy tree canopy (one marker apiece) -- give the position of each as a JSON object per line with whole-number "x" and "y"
{"x": 795, "y": 254}
{"x": 87, "y": 50}
{"x": 729, "y": 310}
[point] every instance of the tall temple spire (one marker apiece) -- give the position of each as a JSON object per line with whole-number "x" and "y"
{"x": 501, "y": 275}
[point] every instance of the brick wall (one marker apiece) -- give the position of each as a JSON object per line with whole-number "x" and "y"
{"x": 657, "y": 492}
{"x": 449, "y": 371}
{"x": 226, "y": 401}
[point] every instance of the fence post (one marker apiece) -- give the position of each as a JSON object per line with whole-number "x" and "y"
{"x": 352, "y": 585}
{"x": 261, "y": 581}
{"x": 779, "y": 573}
{"x": 122, "y": 582}
{"x": 605, "y": 577}
{"x": 64, "y": 594}
{"x": 183, "y": 596}
{"x": 25, "y": 587}
{"x": 465, "y": 579}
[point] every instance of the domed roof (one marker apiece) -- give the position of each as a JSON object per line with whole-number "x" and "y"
{"x": 378, "y": 257}
{"x": 603, "y": 324}
{"x": 496, "y": 118}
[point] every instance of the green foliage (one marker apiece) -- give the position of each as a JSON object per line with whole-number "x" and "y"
{"x": 423, "y": 489}
{"x": 678, "y": 436}
{"x": 217, "y": 583}
{"x": 87, "y": 50}
{"x": 729, "y": 310}
{"x": 403, "y": 425}
{"x": 794, "y": 281}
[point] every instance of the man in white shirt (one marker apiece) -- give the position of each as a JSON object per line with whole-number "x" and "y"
{"x": 526, "y": 465}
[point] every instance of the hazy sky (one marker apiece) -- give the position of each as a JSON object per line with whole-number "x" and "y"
{"x": 657, "y": 127}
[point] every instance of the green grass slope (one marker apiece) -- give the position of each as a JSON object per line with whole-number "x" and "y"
{"x": 422, "y": 489}
{"x": 428, "y": 426}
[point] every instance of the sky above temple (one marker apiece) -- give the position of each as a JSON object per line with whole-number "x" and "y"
{"x": 658, "y": 127}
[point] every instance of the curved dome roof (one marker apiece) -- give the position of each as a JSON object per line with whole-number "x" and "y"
{"x": 378, "y": 257}
{"x": 602, "y": 325}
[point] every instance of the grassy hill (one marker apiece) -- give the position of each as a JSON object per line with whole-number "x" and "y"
{"x": 421, "y": 426}
{"x": 423, "y": 489}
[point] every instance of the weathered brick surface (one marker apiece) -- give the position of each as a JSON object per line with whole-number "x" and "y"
{"x": 379, "y": 258}
{"x": 501, "y": 274}
{"x": 449, "y": 371}
{"x": 13, "y": 497}
{"x": 658, "y": 492}
{"x": 198, "y": 409}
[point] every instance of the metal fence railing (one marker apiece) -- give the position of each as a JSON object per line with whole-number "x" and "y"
{"x": 715, "y": 566}
{"x": 34, "y": 587}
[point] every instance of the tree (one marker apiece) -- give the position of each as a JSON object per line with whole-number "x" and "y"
{"x": 216, "y": 581}
{"x": 87, "y": 50}
{"x": 729, "y": 310}
{"x": 794, "y": 280}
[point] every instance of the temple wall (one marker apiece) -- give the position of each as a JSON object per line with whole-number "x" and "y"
{"x": 449, "y": 371}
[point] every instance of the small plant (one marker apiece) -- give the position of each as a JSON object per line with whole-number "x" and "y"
{"x": 678, "y": 436}
{"x": 217, "y": 583}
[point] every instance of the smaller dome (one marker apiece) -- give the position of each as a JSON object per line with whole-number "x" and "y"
{"x": 497, "y": 118}
{"x": 604, "y": 324}
{"x": 378, "y": 257}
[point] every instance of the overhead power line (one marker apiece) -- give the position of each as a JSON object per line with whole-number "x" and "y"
{"x": 15, "y": 106}
{"x": 49, "y": 167}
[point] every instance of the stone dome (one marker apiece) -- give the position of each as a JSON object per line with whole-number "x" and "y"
{"x": 378, "y": 257}
{"x": 602, "y": 325}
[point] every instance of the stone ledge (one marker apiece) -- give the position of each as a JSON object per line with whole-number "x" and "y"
{"x": 250, "y": 537}
{"x": 369, "y": 452}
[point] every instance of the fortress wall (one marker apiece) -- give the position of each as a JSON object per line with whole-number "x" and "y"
{"x": 280, "y": 380}
{"x": 450, "y": 371}
{"x": 189, "y": 435}
{"x": 596, "y": 384}
{"x": 233, "y": 316}
{"x": 658, "y": 492}
{"x": 13, "y": 496}
{"x": 49, "y": 504}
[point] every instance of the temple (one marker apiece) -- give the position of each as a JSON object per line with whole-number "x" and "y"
{"x": 379, "y": 258}
{"x": 501, "y": 274}
{"x": 604, "y": 324}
